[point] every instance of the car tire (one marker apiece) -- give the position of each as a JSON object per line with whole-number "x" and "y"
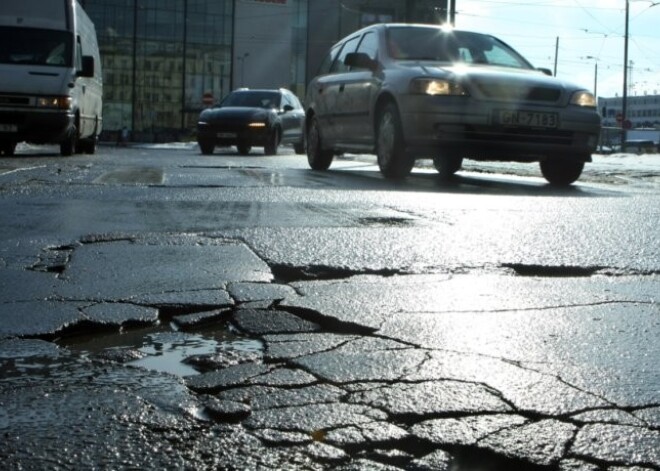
{"x": 447, "y": 165}
{"x": 561, "y": 172}
{"x": 317, "y": 157}
{"x": 244, "y": 149}
{"x": 273, "y": 142}
{"x": 393, "y": 161}
{"x": 8, "y": 148}
{"x": 300, "y": 147}
{"x": 206, "y": 146}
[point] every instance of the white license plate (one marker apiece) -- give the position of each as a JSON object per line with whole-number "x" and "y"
{"x": 226, "y": 135}
{"x": 528, "y": 119}
{"x": 8, "y": 128}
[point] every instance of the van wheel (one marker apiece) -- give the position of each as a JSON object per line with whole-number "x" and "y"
{"x": 68, "y": 147}
{"x": 8, "y": 148}
{"x": 562, "y": 172}
{"x": 317, "y": 157}
{"x": 393, "y": 161}
{"x": 88, "y": 146}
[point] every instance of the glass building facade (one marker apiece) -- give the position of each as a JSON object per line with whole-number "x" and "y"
{"x": 159, "y": 58}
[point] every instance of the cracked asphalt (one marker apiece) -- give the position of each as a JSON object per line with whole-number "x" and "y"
{"x": 164, "y": 310}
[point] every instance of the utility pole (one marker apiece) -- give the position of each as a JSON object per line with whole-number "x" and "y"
{"x": 556, "y": 55}
{"x": 624, "y": 107}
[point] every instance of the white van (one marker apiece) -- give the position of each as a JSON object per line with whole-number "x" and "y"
{"x": 51, "y": 89}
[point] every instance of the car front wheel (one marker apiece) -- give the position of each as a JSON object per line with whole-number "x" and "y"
{"x": 393, "y": 161}
{"x": 206, "y": 146}
{"x": 273, "y": 142}
{"x": 447, "y": 165}
{"x": 561, "y": 172}
{"x": 318, "y": 157}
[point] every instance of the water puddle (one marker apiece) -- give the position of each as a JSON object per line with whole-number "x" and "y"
{"x": 164, "y": 350}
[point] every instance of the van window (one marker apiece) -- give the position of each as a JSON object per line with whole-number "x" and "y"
{"x": 32, "y": 46}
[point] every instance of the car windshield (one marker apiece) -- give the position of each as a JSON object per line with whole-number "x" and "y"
{"x": 431, "y": 44}
{"x": 32, "y": 46}
{"x": 252, "y": 99}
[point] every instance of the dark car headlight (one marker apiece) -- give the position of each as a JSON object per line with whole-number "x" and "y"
{"x": 584, "y": 98}
{"x": 428, "y": 86}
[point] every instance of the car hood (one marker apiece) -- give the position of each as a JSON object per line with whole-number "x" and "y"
{"x": 503, "y": 83}
{"x": 236, "y": 113}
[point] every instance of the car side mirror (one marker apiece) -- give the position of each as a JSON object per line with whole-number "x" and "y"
{"x": 87, "y": 67}
{"x": 545, "y": 71}
{"x": 360, "y": 60}
{"x": 287, "y": 108}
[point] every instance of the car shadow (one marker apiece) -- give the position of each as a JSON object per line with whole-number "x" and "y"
{"x": 464, "y": 182}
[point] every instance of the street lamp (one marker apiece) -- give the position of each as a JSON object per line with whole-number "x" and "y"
{"x": 595, "y": 59}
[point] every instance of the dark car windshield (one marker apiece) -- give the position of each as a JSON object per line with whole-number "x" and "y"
{"x": 431, "y": 44}
{"x": 32, "y": 46}
{"x": 252, "y": 99}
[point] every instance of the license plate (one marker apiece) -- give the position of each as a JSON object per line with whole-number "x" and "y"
{"x": 8, "y": 128}
{"x": 226, "y": 135}
{"x": 529, "y": 119}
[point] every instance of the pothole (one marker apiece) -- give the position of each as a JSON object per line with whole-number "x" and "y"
{"x": 557, "y": 271}
{"x": 288, "y": 273}
{"x": 165, "y": 350}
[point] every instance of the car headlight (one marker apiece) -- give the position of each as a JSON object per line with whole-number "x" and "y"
{"x": 56, "y": 102}
{"x": 426, "y": 86}
{"x": 583, "y": 98}
{"x": 257, "y": 125}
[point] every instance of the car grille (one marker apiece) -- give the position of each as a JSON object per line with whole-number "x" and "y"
{"x": 508, "y": 92}
{"x": 520, "y": 135}
{"x": 229, "y": 125}
{"x": 9, "y": 100}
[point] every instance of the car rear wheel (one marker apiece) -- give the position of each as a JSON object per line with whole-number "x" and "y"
{"x": 317, "y": 157}
{"x": 244, "y": 149}
{"x": 206, "y": 146}
{"x": 561, "y": 172}
{"x": 393, "y": 161}
{"x": 273, "y": 142}
{"x": 447, "y": 165}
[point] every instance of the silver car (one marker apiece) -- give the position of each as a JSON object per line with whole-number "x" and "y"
{"x": 405, "y": 91}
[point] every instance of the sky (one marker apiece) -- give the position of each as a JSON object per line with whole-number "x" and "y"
{"x": 590, "y": 35}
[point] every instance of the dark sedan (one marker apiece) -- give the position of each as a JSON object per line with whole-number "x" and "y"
{"x": 253, "y": 118}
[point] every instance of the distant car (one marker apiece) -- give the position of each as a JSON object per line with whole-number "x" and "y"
{"x": 253, "y": 118}
{"x": 640, "y": 146}
{"x": 405, "y": 91}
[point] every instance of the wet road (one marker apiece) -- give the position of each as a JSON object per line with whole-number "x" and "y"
{"x": 161, "y": 309}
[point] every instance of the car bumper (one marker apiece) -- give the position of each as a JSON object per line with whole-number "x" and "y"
{"x": 234, "y": 136}
{"x": 470, "y": 128}
{"x": 39, "y": 127}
